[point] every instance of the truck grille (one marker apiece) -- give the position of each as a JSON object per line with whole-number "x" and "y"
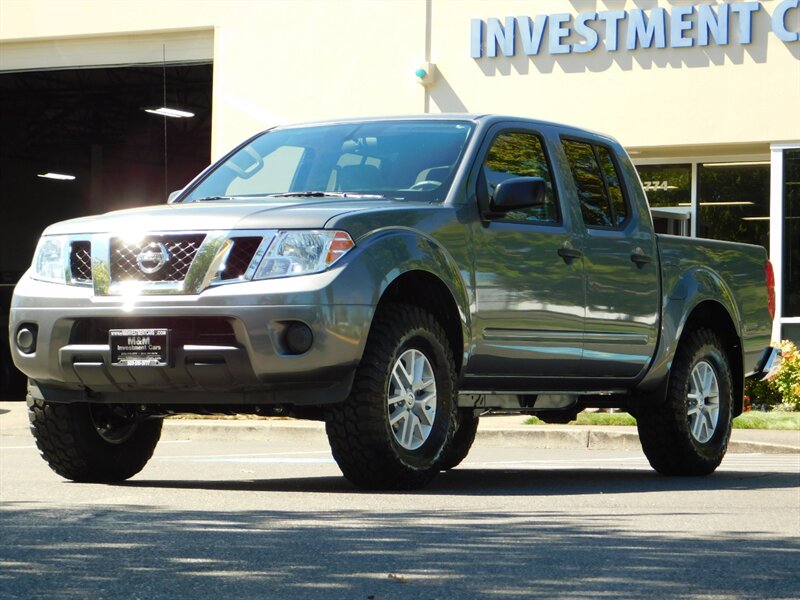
{"x": 80, "y": 262}
{"x": 156, "y": 258}
{"x": 240, "y": 256}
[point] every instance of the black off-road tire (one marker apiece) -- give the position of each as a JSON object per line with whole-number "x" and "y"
{"x": 664, "y": 430}
{"x": 462, "y": 440}
{"x": 361, "y": 437}
{"x": 68, "y": 439}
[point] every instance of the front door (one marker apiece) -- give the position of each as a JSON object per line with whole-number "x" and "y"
{"x": 529, "y": 285}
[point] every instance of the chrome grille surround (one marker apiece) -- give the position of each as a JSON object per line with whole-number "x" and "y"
{"x": 197, "y": 260}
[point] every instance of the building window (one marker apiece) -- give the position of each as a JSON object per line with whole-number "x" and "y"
{"x": 668, "y": 187}
{"x": 734, "y": 202}
{"x": 791, "y": 233}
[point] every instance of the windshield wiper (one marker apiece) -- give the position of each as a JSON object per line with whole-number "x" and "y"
{"x": 319, "y": 194}
{"x": 212, "y": 198}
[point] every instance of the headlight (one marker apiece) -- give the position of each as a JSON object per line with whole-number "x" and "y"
{"x": 303, "y": 252}
{"x": 50, "y": 259}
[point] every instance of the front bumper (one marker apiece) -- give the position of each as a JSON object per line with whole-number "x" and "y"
{"x": 245, "y": 361}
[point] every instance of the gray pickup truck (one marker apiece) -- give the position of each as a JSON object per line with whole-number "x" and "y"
{"x": 396, "y": 278}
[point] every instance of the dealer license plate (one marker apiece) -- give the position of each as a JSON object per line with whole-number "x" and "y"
{"x": 139, "y": 347}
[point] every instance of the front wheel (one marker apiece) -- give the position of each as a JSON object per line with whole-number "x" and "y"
{"x": 397, "y": 425}
{"x": 462, "y": 440}
{"x": 92, "y": 443}
{"x": 689, "y": 433}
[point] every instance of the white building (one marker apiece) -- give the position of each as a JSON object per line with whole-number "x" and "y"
{"x": 705, "y": 95}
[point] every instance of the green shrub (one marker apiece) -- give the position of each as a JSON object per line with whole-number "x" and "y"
{"x": 787, "y": 380}
{"x": 784, "y": 387}
{"x": 760, "y": 393}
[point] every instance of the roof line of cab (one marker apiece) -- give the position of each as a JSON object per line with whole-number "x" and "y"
{"x": 486, "y": 119}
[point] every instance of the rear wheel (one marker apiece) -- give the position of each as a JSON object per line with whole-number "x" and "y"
{"x": 91, "y": 442}
{"x": 397, "y": 425}
{"x": 689, "y": 433}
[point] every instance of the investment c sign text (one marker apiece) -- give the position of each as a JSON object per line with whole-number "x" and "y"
{"x": 678, "y": 27}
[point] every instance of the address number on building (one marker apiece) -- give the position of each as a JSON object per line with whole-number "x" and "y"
{"x": 139, "y": 347}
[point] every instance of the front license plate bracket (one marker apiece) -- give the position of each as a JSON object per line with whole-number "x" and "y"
{"x": 139, "y": 347}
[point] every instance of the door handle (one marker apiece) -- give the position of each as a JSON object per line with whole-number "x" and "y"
{"x": 639, "y": 258}
{"x": 568, "y": 253}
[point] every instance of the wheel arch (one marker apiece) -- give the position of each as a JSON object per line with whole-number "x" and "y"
{"x": 699, "y": 297}
{"x": 408, "y": 267}
{"x": 712, "y": 315}
{"x": 437, "y": 300}
{"x": 709, "y": 314}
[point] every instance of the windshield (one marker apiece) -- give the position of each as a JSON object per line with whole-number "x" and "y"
{"x": 401, "y": 160}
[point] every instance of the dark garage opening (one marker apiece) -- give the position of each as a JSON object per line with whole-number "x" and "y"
{"x": 91, "y": 124}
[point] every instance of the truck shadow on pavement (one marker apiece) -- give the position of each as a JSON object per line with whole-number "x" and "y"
{"x": 391, "y": 550}
{"x": 505, "y": 482}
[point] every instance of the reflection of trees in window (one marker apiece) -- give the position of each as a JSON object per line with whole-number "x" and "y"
{"x": 620, "y": 211}
{"x": 517, "y": 154}
{"x": 734, "y": 203}
{"x": 791, "y": 233}
{"x": 589, "y": 181}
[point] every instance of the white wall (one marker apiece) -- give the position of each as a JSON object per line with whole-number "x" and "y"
{"x": 274, "y": 62}
{"x": 283, "y": 61}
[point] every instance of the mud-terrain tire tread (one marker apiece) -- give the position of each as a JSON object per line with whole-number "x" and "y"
{"x": 71, "y": 446}
{"x": 358, "y": 430}
{"x": 462, "y": 441}
{"x": 664, "y": 429}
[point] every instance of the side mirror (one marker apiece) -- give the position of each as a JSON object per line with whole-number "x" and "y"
{"x": 172, "y": 196}
{"x": 515, "y": 194}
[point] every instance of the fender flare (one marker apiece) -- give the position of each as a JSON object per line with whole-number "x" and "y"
{"x": 386, "y": 255}
{"x": 699, "y": 285}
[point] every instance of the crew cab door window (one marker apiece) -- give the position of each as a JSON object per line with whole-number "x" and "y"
{"x": 599, "y": 192}
{"x": 619, "y": 209}
{"x": 518, "y": 154}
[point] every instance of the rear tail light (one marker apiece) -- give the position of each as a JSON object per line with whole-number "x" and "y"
{"x": 770, "y": 274}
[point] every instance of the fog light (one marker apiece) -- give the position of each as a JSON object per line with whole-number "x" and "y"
{"x": 26, "y": 338}
{"x": 297, "y": 337}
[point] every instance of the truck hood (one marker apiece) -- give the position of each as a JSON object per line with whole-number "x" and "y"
{"x": 224, "y": 215}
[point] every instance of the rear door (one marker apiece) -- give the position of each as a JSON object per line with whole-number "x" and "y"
{"x": 620, "y": 262}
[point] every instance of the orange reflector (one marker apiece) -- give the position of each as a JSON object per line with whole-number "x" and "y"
{"x": 341, "y": 243}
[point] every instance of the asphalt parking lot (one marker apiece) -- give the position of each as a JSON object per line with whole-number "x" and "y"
{"x": 273, "y": 518}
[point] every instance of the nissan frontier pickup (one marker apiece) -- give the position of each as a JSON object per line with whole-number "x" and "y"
{"x": 397, "y": 278}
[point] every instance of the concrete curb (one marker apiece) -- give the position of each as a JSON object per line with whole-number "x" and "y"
{"x": 529, "y": 436}
{"x": 604, "y": 439}
{"x": 252, "y": 431}
{"x": 493, "y": 431}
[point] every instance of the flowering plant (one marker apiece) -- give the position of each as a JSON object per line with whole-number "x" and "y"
{"x": 787, "y": 380}
{"x": 783, "y": 388}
